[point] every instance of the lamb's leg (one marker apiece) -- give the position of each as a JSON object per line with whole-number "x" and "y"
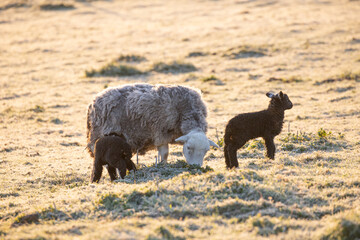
{"x": 231, "y": 151}
{"x": 227, "y": 158}
{"x": 121, "y": 166}
{"x": 112, "y": 172}
{"x": 137, "y": 157}
{"x": 122, "y": 172}
{"x": 270, "y": 147}
{"x": 232, "y": 148}
{"x": 97, "y": 170}
{"x": 163, "y": 151}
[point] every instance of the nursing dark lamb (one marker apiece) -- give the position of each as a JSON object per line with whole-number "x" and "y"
{"x": 114, "y": 152}
{"x": 151, "y": 116}
{"x": 266, "y": 124}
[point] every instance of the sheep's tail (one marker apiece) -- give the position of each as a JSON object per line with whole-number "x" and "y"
{"x": 88, "y": 130}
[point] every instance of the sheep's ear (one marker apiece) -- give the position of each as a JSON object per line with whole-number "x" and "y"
{"x": 281, "y": 94}
{"x": 182, "y": 139}
{"x": 213, "y": 144}
{"x": 270, "y": 95}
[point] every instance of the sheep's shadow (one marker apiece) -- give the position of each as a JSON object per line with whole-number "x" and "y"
{"x": 163, "y": 171}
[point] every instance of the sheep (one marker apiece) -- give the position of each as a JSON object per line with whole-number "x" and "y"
{"x": 266, "y": 124}
{"x": 116, "y": 153}
{"x": 151, "y": 116}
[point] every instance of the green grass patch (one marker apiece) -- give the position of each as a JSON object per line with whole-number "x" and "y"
{"x": 197, "y": 54}
{"x": 109, "y": 201}
{"x": 114, "y": 69}
{"x": 56, "y": 6}
{"x": 212, "y": 79}
{"x": 304, "y": 142}
{"x": 350, "y": 76}
{"x": 209, "y": 78}
{"x": 164, "y": 233}
{"x": 25, "y": 219}
{"x": 170, "y": 170}
{"x": 345, "y": 76}
{"x": 53, "y": 181}
{"x": 266, "y": 226}
{"x": 14, "y": 4}
{"x": 292, "y": 79}
{"x": 246, "y": 51}
{"x": 132, "y": 58}
{"x": 56, "y": 121}
{"x": 346, "y": 227}
{"x": 173, "y": 67}
{"x": 38, "y": 109}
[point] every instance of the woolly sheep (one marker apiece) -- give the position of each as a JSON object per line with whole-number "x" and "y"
{"x": 266, "y": 124}
{"x": 151, "y": 116}
{"x": 116, "y": 153}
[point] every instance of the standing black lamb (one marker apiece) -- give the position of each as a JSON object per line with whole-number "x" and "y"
{"x": 116, "y": 153}
{"x": 266, "y": 124}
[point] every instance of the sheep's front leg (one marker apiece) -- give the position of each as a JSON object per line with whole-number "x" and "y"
{"x": 163, "y": 152}
{"x": 270, "y": 147}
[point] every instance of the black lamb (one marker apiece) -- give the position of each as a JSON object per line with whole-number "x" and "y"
{"x": 114, "y": 151}
{"x": 266, "y": 124}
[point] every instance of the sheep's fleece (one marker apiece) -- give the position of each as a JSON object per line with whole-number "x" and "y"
{"x": 151, "y": 116}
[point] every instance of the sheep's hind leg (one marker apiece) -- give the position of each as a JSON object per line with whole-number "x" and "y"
{"x": 270, "y": 147}
{"x": 163, "y": 152}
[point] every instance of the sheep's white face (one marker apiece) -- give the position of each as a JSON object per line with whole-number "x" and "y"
{"x": 196, "y": 145}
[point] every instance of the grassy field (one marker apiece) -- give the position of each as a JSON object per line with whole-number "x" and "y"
{"x": 56, "y": 55}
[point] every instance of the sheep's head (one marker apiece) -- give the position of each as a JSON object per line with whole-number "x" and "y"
{"x": 281, "y": 99}
{"x": 196, "y": 145}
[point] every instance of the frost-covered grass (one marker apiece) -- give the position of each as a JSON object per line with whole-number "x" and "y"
{"x": 311, "y": 189}
{"x": 294, "y": 196}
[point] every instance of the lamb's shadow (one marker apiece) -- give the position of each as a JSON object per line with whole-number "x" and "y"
{"x": 163, "y": 171}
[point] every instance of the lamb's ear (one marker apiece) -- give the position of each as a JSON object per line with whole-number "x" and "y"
{"x": 281, "y": 94}
{"x": 270, "y": 95}
{"x": 213, "y": 144}
{"x": 182, "y": 139}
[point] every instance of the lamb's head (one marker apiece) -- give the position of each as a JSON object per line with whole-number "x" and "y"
{"x": 280, "y": 100}
{"x": 196, "y": 145}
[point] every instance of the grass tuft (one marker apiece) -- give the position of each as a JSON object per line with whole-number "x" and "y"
{"x": 292, "y": 79}
{"x": 245, "y": 51}
{"x": 56, "y": 121}
{"x": 346, "y": 228}
{"x": 131, "y": 58}
{"x": 56, "y": 6}
{"x": 114, "y": 69}
{"x": 14, "y": 4}
{"x": 108, "y": 200}
{"x": 213, "y": 80}
{"x": 173, "y": 67}
{"x": 197, "y": 54}
{"x": 266, "y": 226}
{"x": 305, "y": 142}
{"x": 25, "y": 219}
{"x": 345, "y": 76}
{"x": 38, "y": 109}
